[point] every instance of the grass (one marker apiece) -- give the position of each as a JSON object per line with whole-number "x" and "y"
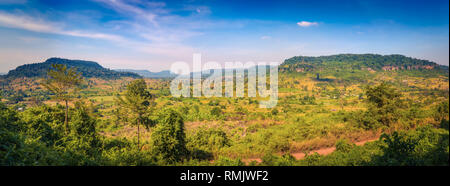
{"x": 299, "y": 125}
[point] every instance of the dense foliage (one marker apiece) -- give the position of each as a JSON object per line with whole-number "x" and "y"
{"x": 169, "y": 138}
{"x": 359, "y": 62}
{"x": 86, "y": 68}
{"x": 139, "y": 102}
{"x": 337, "y": 116}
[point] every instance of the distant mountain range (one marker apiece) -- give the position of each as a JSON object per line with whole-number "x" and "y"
{"x": 148, "y": 74}
{"x": 87, "y": 68}
{"x": 332, "y": 63}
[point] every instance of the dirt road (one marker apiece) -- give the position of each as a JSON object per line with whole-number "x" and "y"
{"x": 323, "y": 151}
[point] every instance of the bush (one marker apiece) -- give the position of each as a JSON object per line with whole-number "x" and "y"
{"x": 285, "y": 160}
{"x": 441, "y": 111}
{"x": 444, "y": 124}
{"x": 168, "y": 138}
{"x": 209, "y": 140}
{"x": 274, "y": 112}
{"x": 225, "y": 161}
{"x": 423, "y": 146}
{"x": 216, "y": 111}
{"x": 343, "y": 146}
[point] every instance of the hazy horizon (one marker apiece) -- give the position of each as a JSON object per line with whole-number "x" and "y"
{"x": 150, "y": 70}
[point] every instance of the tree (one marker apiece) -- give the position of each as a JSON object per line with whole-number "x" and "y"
{"x": 83, "y": 144}
{"x": 423, "y": 146}
{"x": 385, "y": 103}
{"x": 384, "y": 106}
{"x": 382, "y": 95}
{"x": 441, "y": 111}
{"x": 83, "y": 124}
{"x": 169, "y": 139}
{"x": 63, "y": 83}
{"x": 140, "y": 102}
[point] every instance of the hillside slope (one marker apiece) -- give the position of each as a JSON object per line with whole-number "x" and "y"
{"x": 87, "y": 68}
{"x": 365, "y": 62}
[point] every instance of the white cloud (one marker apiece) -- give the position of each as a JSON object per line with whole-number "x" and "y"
{"x": 162, "y": 32}
{"x": 266, "y": 37}
{"x": 27, "y": 23}
{"x": 307, "y": 24}
{"x": 36, "y": 25}
{"x": 164, "y": 42}
{"x": 201, "y": 10}
{"x": 148, "y": 30}
{"x": 148, "y": 13}
{"x": 109, "y": 37}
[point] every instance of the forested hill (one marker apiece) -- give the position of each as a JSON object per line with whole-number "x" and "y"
{"x": 87, "y": 68}
{"x": 370, "y": 62}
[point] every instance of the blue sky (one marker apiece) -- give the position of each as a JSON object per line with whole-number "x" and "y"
{"x": 151, "y": 35}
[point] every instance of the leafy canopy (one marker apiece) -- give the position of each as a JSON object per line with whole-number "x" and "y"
{"x": 62, "y": 81}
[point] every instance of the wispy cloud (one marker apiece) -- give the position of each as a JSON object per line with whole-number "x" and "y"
{"x": 201, "y": 10}
{"x": 144, "y": 27}
{"x": 307, "y": 24}
{"x": 154, "y": 22}
{"x": 157, "y": 28}
{"x": 265, "y": 37}
{"x": 148, "y": 13}
{"x": 155, "y": 41}
{"x": 37, "y": 25}
{"x": 27, "y": 23}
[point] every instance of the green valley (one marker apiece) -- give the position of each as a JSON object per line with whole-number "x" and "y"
{"x": 347, "y": 109}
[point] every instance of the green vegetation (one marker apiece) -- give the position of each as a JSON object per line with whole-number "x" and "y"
{"x": 423, "y": 146}
{"x": 384, "y": 107}
{"x": 344, "y": 115}
{"x": 139, "y": 102}
{"x": 169, "y": 139}
{"x": 63, "y": 82}
{"x": 87, "y": 68}
{"x": 358, "y": 61}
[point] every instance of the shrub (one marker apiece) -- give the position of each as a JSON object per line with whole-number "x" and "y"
{"x": 168, "y": 138}
{"x": 274, "y": 111}
{"x": 343, "y": 146}
{"x": 216, "y": 111}
{"x": 225, "y": 161}
{"x": 209, "y": 139}
{"x": 423, "y": 146}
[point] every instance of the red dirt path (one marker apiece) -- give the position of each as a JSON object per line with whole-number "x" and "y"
{"x": 301, "y": 155}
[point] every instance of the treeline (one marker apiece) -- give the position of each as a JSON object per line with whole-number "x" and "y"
{"x": 37, "y": 136}
{"x": 357, "y": 61}
{"x": 87, "y": 68}
{"x": 68, "y": 135}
